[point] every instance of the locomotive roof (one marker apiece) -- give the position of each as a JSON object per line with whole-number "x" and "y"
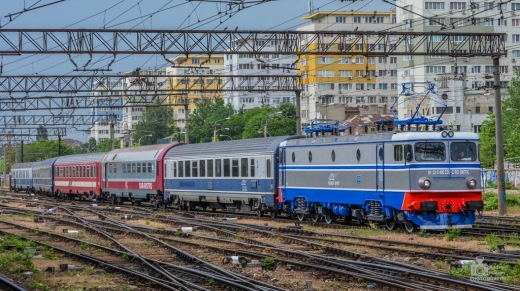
{"x": 22, "y": 165}
{"x": 47, "y": 162}
{"x": 229, "y": 147}
{"x": 90, "y": 157}
{"x": 385, "y": 136}
{"x": 144, "y": 153}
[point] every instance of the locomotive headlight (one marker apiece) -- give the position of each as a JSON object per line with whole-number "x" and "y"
{"x": 471, "y": 182}
{"x": 424, "y": 183}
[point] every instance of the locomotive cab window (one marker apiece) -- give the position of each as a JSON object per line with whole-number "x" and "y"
{"x": 463, "y": 151}
{"x": 430, "y": 151}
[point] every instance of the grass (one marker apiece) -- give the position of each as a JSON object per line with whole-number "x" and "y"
{"x": 14, "y": 254}
{"x": 511, "y": 274}
{"x": 452, "y": 234}
{"x": 491, "y": 201}
{"x": 268, "y": 263}
{"x": 439, "y": 265}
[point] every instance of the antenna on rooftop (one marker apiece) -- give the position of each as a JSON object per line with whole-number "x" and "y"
{"x": 311, "y": 7}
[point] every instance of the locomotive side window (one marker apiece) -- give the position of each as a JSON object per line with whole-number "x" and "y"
{"x": 430, "y": 151}
{"x": 227, "y": 168}
{"x": 181, "y": 169}
{"x": 202, "y": 168}
{"x": 408, "y": 152}
{"x": 210, "y": 168}
{"x": 398, "y": 153}
{"x": 252, "y": 167}
{"x": 218, "y": 168}
{"x": 243, "y": 167}
{"x": 463, "y": 151}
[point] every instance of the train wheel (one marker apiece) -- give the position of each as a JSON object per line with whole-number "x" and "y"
{"x": 204, "y": 208}
{"x": 390, "y": 225}
{"x": 274, "y": 213}
{"x": 315, "y": 217}
{"x": 214, "y": 209}
{"x": 301, "y": 217}
{"x": 260, "y": 213}
{"x": 329, "y": 219}
{"x": 348, "y": 219}
{"x": 409, "y": 226}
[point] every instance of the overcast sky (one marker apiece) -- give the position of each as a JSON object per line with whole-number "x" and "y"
{"x": 148, "y": 14}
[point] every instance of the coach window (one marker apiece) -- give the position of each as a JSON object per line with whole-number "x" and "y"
{"x": 243, "y": 167}
{"x": 236, "y": 168}
{"x": 227, "y": 168}
{"x": 115, "y": 168}
{"x": 138, "y": 167}
{"x": 218, "y": 168}
{"x": 269, "y": 168}
{"x": 203, "y": 168}
{"x": 194, "y": 168}
{"x": 252, "y": 167}
{"x": 128, "y": 168}
{"x": 150, "y": 169}
{"x": 133, "y": 168}
{"x": 124, "y": 168}
{"x": 174, "y": 169}
{"x": 187, "y": 168}
{"x": 210, "y": 168}
{"x": 181, "y": 169}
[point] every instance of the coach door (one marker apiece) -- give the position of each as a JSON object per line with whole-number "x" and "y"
{"x": 105, "y": 174}
{"x": 380, "y": 169}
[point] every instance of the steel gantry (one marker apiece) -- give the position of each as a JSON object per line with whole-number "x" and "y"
{"x": 301, "y": 43}
{"x": 51, "y": 120}
{"x": 122, "y": 41}
{"x": 116, "y": 84}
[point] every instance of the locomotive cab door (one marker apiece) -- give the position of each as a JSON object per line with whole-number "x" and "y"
{"x": 380, "y": 170}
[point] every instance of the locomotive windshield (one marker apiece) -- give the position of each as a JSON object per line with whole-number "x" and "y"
{"x": 430, "y": 151}
{"x": 463, "y": 151}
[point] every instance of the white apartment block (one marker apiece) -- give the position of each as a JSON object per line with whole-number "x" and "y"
{"x": 249, "y": 65}
{"x": 468, "y": 82}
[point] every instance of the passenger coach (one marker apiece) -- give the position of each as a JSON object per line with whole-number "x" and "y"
{"x": 43, "y": 176}
{"x": 22, "y": 178}
{"x": 135, "y": 174}
{"x": 78, "y": 176}
{"x": 225, "y": 175}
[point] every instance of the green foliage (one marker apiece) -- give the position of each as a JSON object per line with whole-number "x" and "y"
{"x": 210, "y": 282}
{"x": 491, "y": 200}
{"x": 210, "y": 112}
{"x": 268, "y": 263}
{"x": 106, "y": 146}
{"x": 493, "y": 241}
{"x": 487, "y": 141}
{"x": 84, "y": 245}
{"x": 510, "y": 273}
{"x": 453, "y": 234}
{"x": 439, "y": 265}
{"x": 43, "y": 149}
{"x": 41, "y": 133}
{"x": 423, "y": 233}
{"x": 155, "y": 120}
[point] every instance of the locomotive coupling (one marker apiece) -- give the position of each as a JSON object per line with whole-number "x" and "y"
{"x": 425, "y": 206}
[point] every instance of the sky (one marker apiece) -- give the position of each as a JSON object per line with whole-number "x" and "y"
{"x": 146, "y": 14}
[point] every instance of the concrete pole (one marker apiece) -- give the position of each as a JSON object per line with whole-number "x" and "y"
{"x": 21, "y": 149}
{"x": 501, "y": 181}
{"x": 112, "y": 143}
{"x": 59, "y": 145}
{"x": 186, "y": 126}
{"x": 5, "y": 166}
{"x": 298, "y": 113}
{"x": 265, "y": 128}
{"x": 214, "y": 133}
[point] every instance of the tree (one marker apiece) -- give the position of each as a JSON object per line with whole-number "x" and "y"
{"x": 488, "y": 141}
{"x": 155, "y": 120}
{"x": 41, "y": 133}
{"x": 44, "y": 149}
{"x": 88, "y": 147}
{"x": 105, "y": 145}
{"x": 202, "y": 121}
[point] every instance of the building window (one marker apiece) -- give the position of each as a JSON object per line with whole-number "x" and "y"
{"x": 488, "y": 21}
{"x": 435, "y": 21}
{"x": 502, "y": 22}
{"x": 457, "y": 5}
{"x": 383, "y": 99}
{"x": 360, "y": 100}
{"x": 357, "y": 19}
{"x": 515, "y": 38}
{"x": 515, "y": 6}
{"x": 345, "y": 86}
{"x": 475, "y": 69}
{"x": 383, "y": 86}
{"x": 406, "y": 24}
{"x": 393, "y": 60}
{"x": 195, "y": 62}
{"x": 477, "y": 109}
{"x": 325, "y": 73}
{"x": 324, "y": 60}
{"x": 360, "y": 86}
{"x": 434, "y": 5}
{"x": 360, "y": 60}
{"x": 344, "y": 60}
{"x": 340, "y": 19}
{"x": 345, "y": 73}
{"x": 435, "y": 69}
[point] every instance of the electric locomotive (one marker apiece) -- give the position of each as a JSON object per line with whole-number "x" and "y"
{"x": 415, "y": 179}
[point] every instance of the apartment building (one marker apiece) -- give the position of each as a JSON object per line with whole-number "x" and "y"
{"x": 123, "y": 117}
{"x": 467, "y": 82}
{"x": 247, "y": 66}
{"x": 192, "y": 69}
{"x": 351, "y": 79}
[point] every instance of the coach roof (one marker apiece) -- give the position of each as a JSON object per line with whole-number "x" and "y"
{"x": 144, "y": 153}
{"x": 229, "y": 147}
{"x": 96, "y": 157}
